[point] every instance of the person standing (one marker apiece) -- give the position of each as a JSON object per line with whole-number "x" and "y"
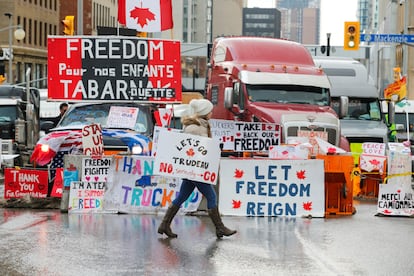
{"x": 197, "y": 124}
{"x": 62, "y": 108}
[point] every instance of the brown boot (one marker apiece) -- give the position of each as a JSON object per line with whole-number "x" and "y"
{"x": 221, "y": 230}
{"x": 165, "y": 228}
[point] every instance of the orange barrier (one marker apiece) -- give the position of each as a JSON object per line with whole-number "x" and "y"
{"x": 338, "y": 184}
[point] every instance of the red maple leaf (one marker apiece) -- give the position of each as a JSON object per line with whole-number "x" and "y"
{"x": 387, "y": 212}
{"x": 238, "y": 173}
{"x": 165, "y": 117}
{"x": 301, "y": 174}
{"x": 190, "y": 152}
{"x": 236, "y": 204}
{"x": 142, "y": 15}
{"x": 331, "y": 150}
{"x": 307, "y": 206}
{"x": 374, "y": 162}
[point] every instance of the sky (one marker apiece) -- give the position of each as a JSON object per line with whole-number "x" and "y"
{"x": 333, "y": 15}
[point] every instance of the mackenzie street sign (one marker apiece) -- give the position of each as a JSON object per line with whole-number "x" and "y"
{"x": 387, "y": 38}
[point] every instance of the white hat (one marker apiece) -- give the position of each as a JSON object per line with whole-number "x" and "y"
{"x": 201, "y": 107}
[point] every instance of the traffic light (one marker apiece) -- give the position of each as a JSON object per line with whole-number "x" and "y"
{"x": 69, "y": 25}
{"x": 351, "y": 35}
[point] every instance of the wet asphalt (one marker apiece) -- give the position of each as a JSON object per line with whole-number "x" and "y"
{"x": 48, "y": 242}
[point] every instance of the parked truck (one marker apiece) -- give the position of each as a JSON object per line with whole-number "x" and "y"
{"x": 273, "y": 81}
{"x": 19, "y": 121}
{"x": 356, "y": 100}
{"x": 361, "y": 117}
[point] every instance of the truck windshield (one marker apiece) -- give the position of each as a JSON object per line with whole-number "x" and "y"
{"x": 8, "y": 113}
{"x": 288, "y": 94}
{"x": 360, "y": 109}
{"x": 99, "y": 113}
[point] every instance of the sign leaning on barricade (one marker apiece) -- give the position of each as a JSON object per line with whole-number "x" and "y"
{"x": 395, "y": 197}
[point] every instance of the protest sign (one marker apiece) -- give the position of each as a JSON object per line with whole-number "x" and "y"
{"x": 187, "y": 156}
{"x": 292, "y": 188}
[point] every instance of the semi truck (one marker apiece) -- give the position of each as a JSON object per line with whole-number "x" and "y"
{"x": 356, "y": 100}
{"x": 19, "y": 122}
{"x": 360, "y": 116}
{"x": 271, "y": 80}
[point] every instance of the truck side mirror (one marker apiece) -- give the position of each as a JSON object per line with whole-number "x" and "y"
{"x": 343, "y": 106}
{"x": 391, "y": 112}
{"x": 228, "y": 97}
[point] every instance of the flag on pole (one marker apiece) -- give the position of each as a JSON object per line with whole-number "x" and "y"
{"x": 146, "y": 15}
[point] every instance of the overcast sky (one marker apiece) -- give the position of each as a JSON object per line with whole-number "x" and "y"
{"x": 333, "y": 15}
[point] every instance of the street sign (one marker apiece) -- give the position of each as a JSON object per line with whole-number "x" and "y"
{"x": 387, "y": 38}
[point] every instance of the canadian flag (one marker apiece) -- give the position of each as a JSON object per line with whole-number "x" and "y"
{"x": 146, "y": 15}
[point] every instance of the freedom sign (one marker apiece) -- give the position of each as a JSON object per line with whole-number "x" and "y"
{"x": 290, "y": 188}
{"x": 98, "y": 68}
{"x": 187, "y": 156}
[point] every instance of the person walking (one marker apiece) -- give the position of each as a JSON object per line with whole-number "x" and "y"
{"x": 197, "y": 123}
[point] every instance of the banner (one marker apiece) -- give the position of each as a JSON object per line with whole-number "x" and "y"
{"x": 98, "y": 68}
{"x": 292, "y": 188}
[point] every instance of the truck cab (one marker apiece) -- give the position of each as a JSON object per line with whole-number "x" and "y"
{"x": 19, "y": 120}
{"x": 355, "y": 99}
{"x": 272, "y": 81}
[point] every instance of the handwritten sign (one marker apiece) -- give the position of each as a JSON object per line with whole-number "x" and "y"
{"x": 122, "y": 117}
{"x": 289, "y": 152}
{"x": 373, "y": 148}
{"x": 92, "y": 140}
{"x": 395, "y": 200}
{"x": 95, "y": 170}
{"x": 86, "y": 197}
{"x": 187, "y": 156}
{"x": 255, "y": 136}
{"x": 132, "y": 187}
{"x": 292, "y": 188}
{"x": 224, "y": 132}
{"x": 22, "y": 182}
{"x": 396, "y": 197}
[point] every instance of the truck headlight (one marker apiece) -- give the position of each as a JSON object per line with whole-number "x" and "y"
{"x": 137, "y": 149}
{"x": 44, "y": 148}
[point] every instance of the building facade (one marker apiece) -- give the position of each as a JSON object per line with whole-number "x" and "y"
{"x": 261, "y": 22}
{"x": 38, "y": 18}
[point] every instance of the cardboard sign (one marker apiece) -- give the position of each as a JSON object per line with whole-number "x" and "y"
{"x": 122, "y": 117}
{"x": 99, "y": 68}
{"x": 132, "y": 187}
{"x": 289, "y": 152}
{"x": 245, "y": 136}
{"x": 187, "y": 156}
{"x": 291, "y": 188}
{"x": 92, "y": 140}
{"x": 255, "y": 137}
{"x": 22, "y": 182}
{"x": 372, "y": 148}
{"x": 95, "y": 170}
{"x": 86, "y": 197}
{"x": 224, "y": 132}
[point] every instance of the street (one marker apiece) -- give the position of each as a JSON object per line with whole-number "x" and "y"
{"x": 48, "y": 242}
